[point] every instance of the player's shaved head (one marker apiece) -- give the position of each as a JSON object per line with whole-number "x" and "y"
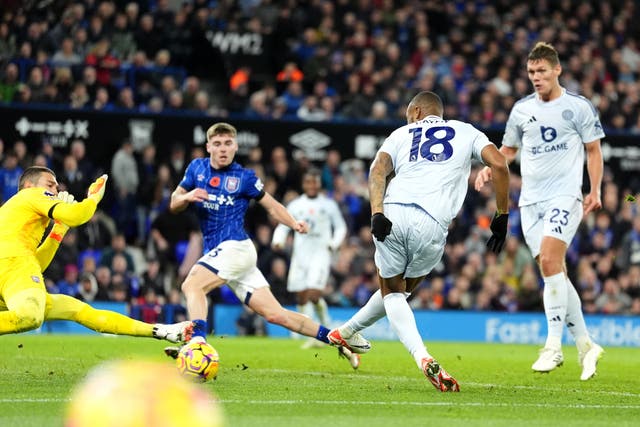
{"x": 32, "y": 175}
{"x": 424, "y": 104}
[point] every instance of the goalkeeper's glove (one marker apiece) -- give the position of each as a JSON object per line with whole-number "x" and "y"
{"x": 499, "y": 230}
{"x": 96, "y": 190}
{"x": 380, "y": 226}
{"x": 66, "y": 197}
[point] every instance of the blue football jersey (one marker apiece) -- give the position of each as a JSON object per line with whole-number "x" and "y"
{"x": 230, "y": 191}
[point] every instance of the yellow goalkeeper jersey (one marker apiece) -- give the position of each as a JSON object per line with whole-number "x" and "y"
{"x": 25, "y": 216}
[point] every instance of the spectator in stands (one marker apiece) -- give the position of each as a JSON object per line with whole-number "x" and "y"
{"x": 72, "y": 178}
{"x": 36, "y": 84}
{"x": 66, "y": 56}
{"x": 9, "y": 83}
{"x": 174, "y": 310}
{"x": 67, "y": 254}
{"x": 25, "y": 159}
{"x": 104, "y": 62}
{"x": 123, "y": 44}
{"x": 9, "y": 175}
{"x": 88, "y": 288}
{"x": 612, "y": 301}
{"x": 172, "y": 235}
{"x": 7, "y": 41}
{"x": 69, "y": 284}
{"x": 154, "y": 278}
{"x": 63, "y": 79}
{"x": 118, "y": 248}
{"x": 90, "y": 80}
{"x": 97, "y": 233}
{"x": 124, "y": 173}
{"x": 147, "y": 37}
{"x": 103, "y": 279}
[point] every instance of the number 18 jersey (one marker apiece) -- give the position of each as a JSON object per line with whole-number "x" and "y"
{"x": 432, "y": 161}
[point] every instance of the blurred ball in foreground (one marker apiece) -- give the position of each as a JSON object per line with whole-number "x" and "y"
{"x": 141, "y": 394}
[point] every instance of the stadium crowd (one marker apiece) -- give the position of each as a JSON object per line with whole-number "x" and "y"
{"x": 318, "y": 60}
{"x": 331, "y": 61}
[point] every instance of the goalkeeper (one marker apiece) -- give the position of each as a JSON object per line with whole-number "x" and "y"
{"x": 24, "y": 302}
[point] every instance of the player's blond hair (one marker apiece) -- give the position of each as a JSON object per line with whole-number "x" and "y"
{"x": 221, "y": 128}
{"x": 544, "y": 51}
{"x": 32, "y": 175}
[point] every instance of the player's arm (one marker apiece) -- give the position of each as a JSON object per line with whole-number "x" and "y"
{"x": 74, "y": 214}
{"x": 181, "y": 198}
{"x": 281, "y": 214}
{"x": 279, "y": 237}
{"x": 381, "y": 169}
{"x": 485, "y": 174}
{"x": 592, "y": 201}
{"x": 497, "y": 164}
{"x": 339, "y": 227}
{"x": 49, "y": 247}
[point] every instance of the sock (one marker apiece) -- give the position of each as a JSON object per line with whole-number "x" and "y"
{"x": 322, "y": 311}
{"x": 403, "y": 324}
{"x": 199, "y": 328}
{"x": 369, "y": 314}
{"x": 575, "y": 319}
{"x": 105, "y": 321}
{"x": 322, "y": 334}
{"x": 306, "y": 309}
{"x": 555, "y": 308}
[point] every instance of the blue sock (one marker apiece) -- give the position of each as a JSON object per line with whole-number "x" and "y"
{"x": 322, "y": 334}
{"x": 200, "y": 328}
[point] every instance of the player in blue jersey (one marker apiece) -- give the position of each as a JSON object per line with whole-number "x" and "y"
{"x": 221, "y": 190}
{"x": 553, "y": 128}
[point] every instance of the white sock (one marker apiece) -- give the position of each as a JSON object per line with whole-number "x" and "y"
{"x": 403, "y": 324}
{"x": 575, "y": 319}
{"x": 322, "y": 311}
{"x": 555, "y": 308}
{"x": 369, "y": 314}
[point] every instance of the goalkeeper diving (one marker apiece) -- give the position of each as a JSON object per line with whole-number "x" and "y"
{"x": 24, "y": 255}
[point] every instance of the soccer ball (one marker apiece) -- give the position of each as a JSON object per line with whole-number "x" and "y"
{"x": 198, "y": 361}
{"x": 141, "y": 393}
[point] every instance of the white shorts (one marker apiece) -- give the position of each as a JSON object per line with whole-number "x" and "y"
{"x": 558, "y": 218}
{"x": 311, "y": 273}
{"x": 235, "y": 262}
{"x": 415, "y": 245}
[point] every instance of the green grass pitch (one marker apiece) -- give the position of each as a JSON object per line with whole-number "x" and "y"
{"x": 272, "y": 382}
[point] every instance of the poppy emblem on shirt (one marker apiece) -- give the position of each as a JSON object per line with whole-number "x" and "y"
{"x": 231, "y": 184}
{"x": 215, "y": 181}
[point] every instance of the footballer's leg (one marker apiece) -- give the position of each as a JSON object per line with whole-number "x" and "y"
{"x": 64, "y": 307}
{"x": 22, "y": 290}
{"x": 25, "y": 311}
{"x": 200, "y": 280}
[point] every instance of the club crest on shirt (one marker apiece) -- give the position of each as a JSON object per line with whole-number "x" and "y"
{"x": 231, "y": 184}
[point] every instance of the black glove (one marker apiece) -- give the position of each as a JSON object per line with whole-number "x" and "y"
{"x": 380, "y": 226}
{"x": 499, "y": 230}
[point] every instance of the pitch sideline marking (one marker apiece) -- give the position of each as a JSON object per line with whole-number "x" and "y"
{"x": 375, "y": 403}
